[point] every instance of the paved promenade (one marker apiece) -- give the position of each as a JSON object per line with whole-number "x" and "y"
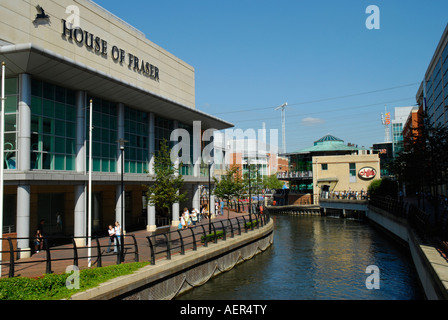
{"x": 36, "y": 265}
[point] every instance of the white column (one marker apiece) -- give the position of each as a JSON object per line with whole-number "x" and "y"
{"x": 80, "y": 214}
{"x": 23, "y": 220}
{"x": 151, "y": 210}
{"x": 196, "y": 196}
{"x": 23, "y": 164}
{"x": 119, "y": 192}
{"x": 24, "y": 123}
{"x": 175, "y": 208}
{"x": 80, "y": 167}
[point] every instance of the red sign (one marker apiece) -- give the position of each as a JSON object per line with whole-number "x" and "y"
{"x": 367, "y": 173}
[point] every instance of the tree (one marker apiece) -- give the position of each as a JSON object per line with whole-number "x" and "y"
{"x": 167, "y": 182}
{"x": 423, "y": 166}
{"x": 229, "y": 186}
{"x": 272, "y": 182}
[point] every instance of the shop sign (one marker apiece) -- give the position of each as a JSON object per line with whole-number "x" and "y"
{"x": 100, "y": 46}
{"x": 367, "y": 173}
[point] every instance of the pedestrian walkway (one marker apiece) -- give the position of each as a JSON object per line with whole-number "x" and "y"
{"x": 62, "y": 256}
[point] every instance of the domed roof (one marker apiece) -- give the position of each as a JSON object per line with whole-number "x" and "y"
{"x": 327, "y": 138}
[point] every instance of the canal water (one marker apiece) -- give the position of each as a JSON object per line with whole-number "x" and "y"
{"x": 320, "y": 258}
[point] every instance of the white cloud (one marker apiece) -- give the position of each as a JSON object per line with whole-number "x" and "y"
{"x": 309, "y": 121}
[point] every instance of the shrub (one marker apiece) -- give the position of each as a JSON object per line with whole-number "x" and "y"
{"x": 53, "y": 286}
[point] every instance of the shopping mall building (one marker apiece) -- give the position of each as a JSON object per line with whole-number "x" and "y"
{"x": 59, "y": 56}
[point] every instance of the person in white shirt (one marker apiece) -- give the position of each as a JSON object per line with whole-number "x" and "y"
{"x": 194, "y": 216}
{"x": 117, "y": 233}
{"x": 111, "y": 232}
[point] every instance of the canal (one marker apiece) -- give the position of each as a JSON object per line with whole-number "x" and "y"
{"x": 319, "y": 258}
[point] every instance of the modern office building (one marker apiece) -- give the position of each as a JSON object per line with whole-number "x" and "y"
{"x": 412, "y": 127}
{"x": 432, "y": 94}
{"x": 401, "y": 115}
{"x": 60, "y": 56}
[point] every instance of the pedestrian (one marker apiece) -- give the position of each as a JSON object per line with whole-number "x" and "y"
{"x": 111, "y": 232}
{"x": 59, "y": 222}
{"x": 194, "y": 216}
{"x": 40, "y": 228}
{"x": 117, "y": 230}
{"x": 203, "y": 212}
{"x": 182, "y": 221}
{"x": 186, "y": 215}
{"x": 38, "y": 241}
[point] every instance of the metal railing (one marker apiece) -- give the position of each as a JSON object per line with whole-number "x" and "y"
{"x": 182, "y": 240}
{"x": 67, "y": 251}
{"x": 151, "y": 248}
{"x": 417, "y": 218}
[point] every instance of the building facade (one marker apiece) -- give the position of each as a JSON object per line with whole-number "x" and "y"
{"x": 346, "y": 175}
{"x": 61, "y": 58}
{"x": 401, "y": 115}
{"x": 432, "y": 94}
{"x": 307, "y": 179}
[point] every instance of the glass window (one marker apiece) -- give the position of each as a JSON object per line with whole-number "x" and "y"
{"x": 136, "y": 133}
{"x": 352, "y": 169}
{"x": 52, "y": 126}
{"x": 324, "y": 166}
{"x": 105, "y": 146}
{"x": 10, "y": 122}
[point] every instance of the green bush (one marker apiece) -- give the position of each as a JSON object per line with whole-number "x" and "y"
{"x": 211, "y": 236}
{"x": 53, "y": 286}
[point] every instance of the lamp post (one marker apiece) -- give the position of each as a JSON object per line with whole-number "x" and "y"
{"x": 121, "y": 143}
{"x": 250, "y": 195}
{"x": 209, "y": 198}
{"x": 2, "y": 155}
{"x": 258, "y": 192}
{"x": 89, "y": 217}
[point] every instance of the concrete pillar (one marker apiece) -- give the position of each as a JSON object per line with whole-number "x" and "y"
{"x": 23, "y": 164}
{"x": 151, "y": 226}
{"x": 80, "y": 167}
{"x": 151, "y": 210}
{"x": 196, "y": 196}
{"x": 152, "y": 142}
{"x": 120, "y": 194}
{"x": 197, "y": 155}
{"x": 175, "y": 208}
{"x": 23, "y": 220}
{"x": 24, "y": 124}
{"x": 80, "y": 214}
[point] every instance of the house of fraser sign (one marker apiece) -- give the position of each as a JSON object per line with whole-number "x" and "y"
{"x": 101, "y": 46}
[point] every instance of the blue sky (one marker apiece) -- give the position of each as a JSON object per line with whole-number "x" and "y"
{"x": 336, "y": 75}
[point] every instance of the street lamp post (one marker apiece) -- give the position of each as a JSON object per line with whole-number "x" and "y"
{"x": 121, "y": 143}
{"x": 250, "y": 195}
{"x": 209, "y": 198}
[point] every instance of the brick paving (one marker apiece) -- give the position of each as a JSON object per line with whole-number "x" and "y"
{"x": 62, "y": 255}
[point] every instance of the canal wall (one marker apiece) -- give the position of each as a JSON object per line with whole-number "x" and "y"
{"x": 431, "y": 267}
{"x": 168, "y": 278}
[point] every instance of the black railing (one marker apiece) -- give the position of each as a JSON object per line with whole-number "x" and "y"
{"x": 417, "y": 218}
{"x": 182, "y": 240}
{"x": 163, "y": 245}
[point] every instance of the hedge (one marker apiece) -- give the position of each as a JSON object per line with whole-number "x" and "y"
{"x": 53, "y": 286}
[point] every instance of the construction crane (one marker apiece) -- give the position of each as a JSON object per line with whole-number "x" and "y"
{"x": 282, "y": 107}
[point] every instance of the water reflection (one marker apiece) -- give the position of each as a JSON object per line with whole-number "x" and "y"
{"x": 318, "y": 258}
